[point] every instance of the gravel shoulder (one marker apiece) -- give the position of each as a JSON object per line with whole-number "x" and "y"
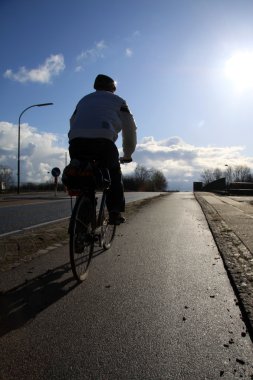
{"x": 28, "y": 244}
{"x": 234, "y": 245}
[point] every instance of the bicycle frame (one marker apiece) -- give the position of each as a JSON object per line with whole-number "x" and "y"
{"x": 87, "y": 226}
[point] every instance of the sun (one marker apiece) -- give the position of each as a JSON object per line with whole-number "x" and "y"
{"x": 239, "y": 69}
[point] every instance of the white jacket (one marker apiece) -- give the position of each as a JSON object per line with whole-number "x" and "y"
{"x": 103, "y": 114}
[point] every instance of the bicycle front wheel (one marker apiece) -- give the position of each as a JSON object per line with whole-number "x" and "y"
{"x": 107, "y": 231}
{"x": 81, "y": 240}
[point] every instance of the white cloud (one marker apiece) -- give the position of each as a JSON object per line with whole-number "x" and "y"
{"x": 78, "y": 68}
{"x": 128, "y": 52}
{"x": 100, "y": 45}
{"x": 181, "y": 163}
{"x": 40, "y": 151}
{"x": 133, "y": 36}
{"x": 90, "y": 55}
{"x": 52, "y": 66}
{"x": 130, "y": 40}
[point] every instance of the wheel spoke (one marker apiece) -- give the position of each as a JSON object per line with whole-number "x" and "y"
{"x": 81, "y": 238}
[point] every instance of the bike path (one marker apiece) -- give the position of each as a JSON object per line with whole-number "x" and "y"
{"x": 157, "y": 305}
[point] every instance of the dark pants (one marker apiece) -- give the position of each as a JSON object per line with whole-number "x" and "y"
{"x": 106, "y": 151}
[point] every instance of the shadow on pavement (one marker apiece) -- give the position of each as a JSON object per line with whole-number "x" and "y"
{"x": 22, "y": 303}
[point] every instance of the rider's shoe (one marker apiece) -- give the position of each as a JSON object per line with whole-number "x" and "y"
{"x": 116, "y": 218}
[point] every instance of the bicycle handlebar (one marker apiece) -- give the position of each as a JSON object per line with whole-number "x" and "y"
{"x": 124, "y": 160}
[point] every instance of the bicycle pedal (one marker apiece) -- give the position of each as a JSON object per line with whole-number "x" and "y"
{"x": 97, "y": 238}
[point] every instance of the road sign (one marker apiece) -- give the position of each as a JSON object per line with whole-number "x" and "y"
{"x": 55, "y": 172}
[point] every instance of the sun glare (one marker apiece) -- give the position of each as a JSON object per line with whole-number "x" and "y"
{"x": 239, "y": 69}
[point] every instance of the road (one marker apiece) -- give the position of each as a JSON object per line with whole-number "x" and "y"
{"x": 37, "y": 211}
{"x": 157, "y": 305}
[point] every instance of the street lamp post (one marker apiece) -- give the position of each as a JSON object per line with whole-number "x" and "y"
{"x": 229, "y": 174}
{"x": 34, "y": 105}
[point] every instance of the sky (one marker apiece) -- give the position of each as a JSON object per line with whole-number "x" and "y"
{"x": 185, "y": 68}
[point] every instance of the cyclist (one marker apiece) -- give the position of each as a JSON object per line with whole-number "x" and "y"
{"x": 94, "y": 127}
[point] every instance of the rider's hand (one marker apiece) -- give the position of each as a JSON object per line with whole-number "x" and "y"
{"x": 125, "y": 160}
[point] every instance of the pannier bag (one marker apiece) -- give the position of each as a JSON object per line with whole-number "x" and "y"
{"x": 81, "y": 174}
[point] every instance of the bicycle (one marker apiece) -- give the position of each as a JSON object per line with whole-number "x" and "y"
{"x": 89, "y": 224}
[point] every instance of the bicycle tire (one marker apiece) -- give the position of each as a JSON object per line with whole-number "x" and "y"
{"x": 107, "y": 230}
{"x": 81, "y": 242}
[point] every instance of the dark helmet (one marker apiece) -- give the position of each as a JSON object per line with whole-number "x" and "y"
{"x": 103, "y": 82}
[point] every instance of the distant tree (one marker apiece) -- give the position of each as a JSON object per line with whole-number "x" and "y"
{"x": 239, "y": 173}
{"x": 158, "y": 181}
{"x": 6, "y": 176}
{"x": 207, "y": 176}
{"x": 217, "y": 174}
{"x": 144, "y": 179}
{"x": 129, "y": 183}
{"x": 228, "y": 174}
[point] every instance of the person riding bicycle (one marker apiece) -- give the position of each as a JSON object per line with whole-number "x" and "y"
{"x": 94, "y": 127}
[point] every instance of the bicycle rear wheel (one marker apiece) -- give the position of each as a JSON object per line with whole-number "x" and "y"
{"x": 81, "y": 240}
{"x": 107, "y": 230}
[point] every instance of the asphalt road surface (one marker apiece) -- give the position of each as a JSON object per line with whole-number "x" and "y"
{"x": 19, "y": 216}
{"x": 157, "y": 305}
